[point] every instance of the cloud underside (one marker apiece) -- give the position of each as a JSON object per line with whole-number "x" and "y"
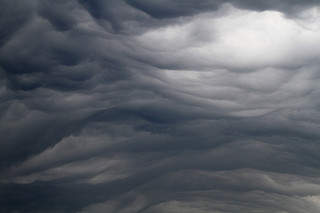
{"x": 159, "y": 106}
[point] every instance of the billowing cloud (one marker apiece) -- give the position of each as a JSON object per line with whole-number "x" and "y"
{"x": 159, "y": 106}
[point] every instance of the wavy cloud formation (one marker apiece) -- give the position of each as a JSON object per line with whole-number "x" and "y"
{"x": 159, "y": 106}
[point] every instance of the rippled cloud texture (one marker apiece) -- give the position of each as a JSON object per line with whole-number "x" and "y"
{"x": 163, "y": 106}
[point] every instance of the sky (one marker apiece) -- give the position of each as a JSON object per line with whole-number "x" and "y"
{"x": 162, "y": 106}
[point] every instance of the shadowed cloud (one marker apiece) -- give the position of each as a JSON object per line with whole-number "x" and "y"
{"x": 159, "y": 106}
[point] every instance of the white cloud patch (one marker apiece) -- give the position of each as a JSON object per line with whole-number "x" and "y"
{"x": 239, "y": 40}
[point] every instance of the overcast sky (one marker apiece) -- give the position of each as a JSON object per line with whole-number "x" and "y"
{"x": 159, "y": 106}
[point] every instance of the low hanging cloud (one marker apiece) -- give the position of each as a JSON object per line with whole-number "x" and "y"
{"x": 159, "y": 106}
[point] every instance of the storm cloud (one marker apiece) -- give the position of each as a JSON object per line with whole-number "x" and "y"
{"x": 136, "y": 106}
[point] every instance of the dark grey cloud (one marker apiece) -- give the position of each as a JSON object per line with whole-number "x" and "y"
{"x": 176, "y": 8}
{"x": 159, "y": 106}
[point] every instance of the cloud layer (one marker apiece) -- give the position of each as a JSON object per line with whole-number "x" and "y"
{"x": 159, "y": 106}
